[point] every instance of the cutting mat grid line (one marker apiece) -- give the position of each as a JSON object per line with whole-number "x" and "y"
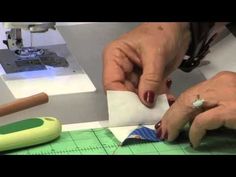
{"x": 102, "y": 142}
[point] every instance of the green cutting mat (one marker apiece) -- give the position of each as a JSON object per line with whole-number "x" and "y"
{"x": 102, "y": 142}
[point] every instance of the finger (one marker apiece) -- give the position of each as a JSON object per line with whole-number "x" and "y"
{"x": 133, "y": 78}
{"x": 171, "y": 99}
{"x": 209, "y": 120}
{"x": 209, "y": 105}
{"x": 206, "y": 106}
{"x": 151, "y": 78}
{"x": 130, "y": 86}
{"x": 129, "y": 52}
{"x": 179, "y": 115}
{"x": 116, "y": 65}
{"x": 165, "y": 86}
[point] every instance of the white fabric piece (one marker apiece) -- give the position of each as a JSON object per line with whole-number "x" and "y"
{"x": 126, "y": 109}
{"x": 121, "y": 133}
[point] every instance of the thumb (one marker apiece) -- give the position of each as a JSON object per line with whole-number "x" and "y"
{"x": 151, "y": 80}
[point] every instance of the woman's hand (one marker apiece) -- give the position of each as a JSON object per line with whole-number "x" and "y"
{"x": 141, "y": 60}
{"x": 219, "y": 109}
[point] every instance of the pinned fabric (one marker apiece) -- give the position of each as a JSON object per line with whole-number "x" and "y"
{"x": 141, "y": 135}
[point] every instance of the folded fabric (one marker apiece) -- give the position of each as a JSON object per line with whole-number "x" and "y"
{"x": 126, "y": 109}
{"x": 135, "y": 134}
{"x": 141, "y": 134}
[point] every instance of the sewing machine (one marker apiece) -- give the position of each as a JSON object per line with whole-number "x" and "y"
{"x": 14, "y": 38}
{"x": 29, "y": 68}
{"x": 21, "y": 58}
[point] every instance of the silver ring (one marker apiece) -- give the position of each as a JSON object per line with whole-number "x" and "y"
{"x": 198, "y": 103}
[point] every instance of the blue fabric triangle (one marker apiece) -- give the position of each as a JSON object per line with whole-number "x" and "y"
{"x": 141, "y": 134}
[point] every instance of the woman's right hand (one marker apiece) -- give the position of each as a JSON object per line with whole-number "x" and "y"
{"x": 141, "y": 60}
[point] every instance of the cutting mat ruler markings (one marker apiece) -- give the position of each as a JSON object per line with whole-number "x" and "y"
{"x": 102, "y": 142}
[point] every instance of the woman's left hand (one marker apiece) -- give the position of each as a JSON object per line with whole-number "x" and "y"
{"x": 218, "y": 109}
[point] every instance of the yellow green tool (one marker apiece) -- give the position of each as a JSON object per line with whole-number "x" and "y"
{"x": 29, "y": 132}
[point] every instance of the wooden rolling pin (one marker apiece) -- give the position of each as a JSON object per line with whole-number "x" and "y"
{"x": 23, "y": 103}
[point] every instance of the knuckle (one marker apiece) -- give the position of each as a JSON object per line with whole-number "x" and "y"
{"x": 184, "y": 99}
{"x": 116, "y": 50}
{"x": 152, "y": 78}
{"x": 108, "y": 49}
{"x": 185, "y": 104}
{"x": 226, "y": 75}
{"x": 223, "y": 73}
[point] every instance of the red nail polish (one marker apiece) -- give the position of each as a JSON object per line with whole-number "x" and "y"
{"x": 168, "y": 83}
{"x": 158, "y": 125}
{"x": 170, "y": 102}
{"x": 149, "y": 97}
{"x": 159, "y": 134}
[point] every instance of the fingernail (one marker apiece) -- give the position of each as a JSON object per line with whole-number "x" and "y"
{"x": 159, "y": 134}
{"x": 158, "y": 125}
{"x": 168, "y": 83}
{"x": 149, "y": 97}
{"x": 170, "y": 101}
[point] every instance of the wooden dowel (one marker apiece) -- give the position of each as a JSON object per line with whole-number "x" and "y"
{"x": 23, "y": 103}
